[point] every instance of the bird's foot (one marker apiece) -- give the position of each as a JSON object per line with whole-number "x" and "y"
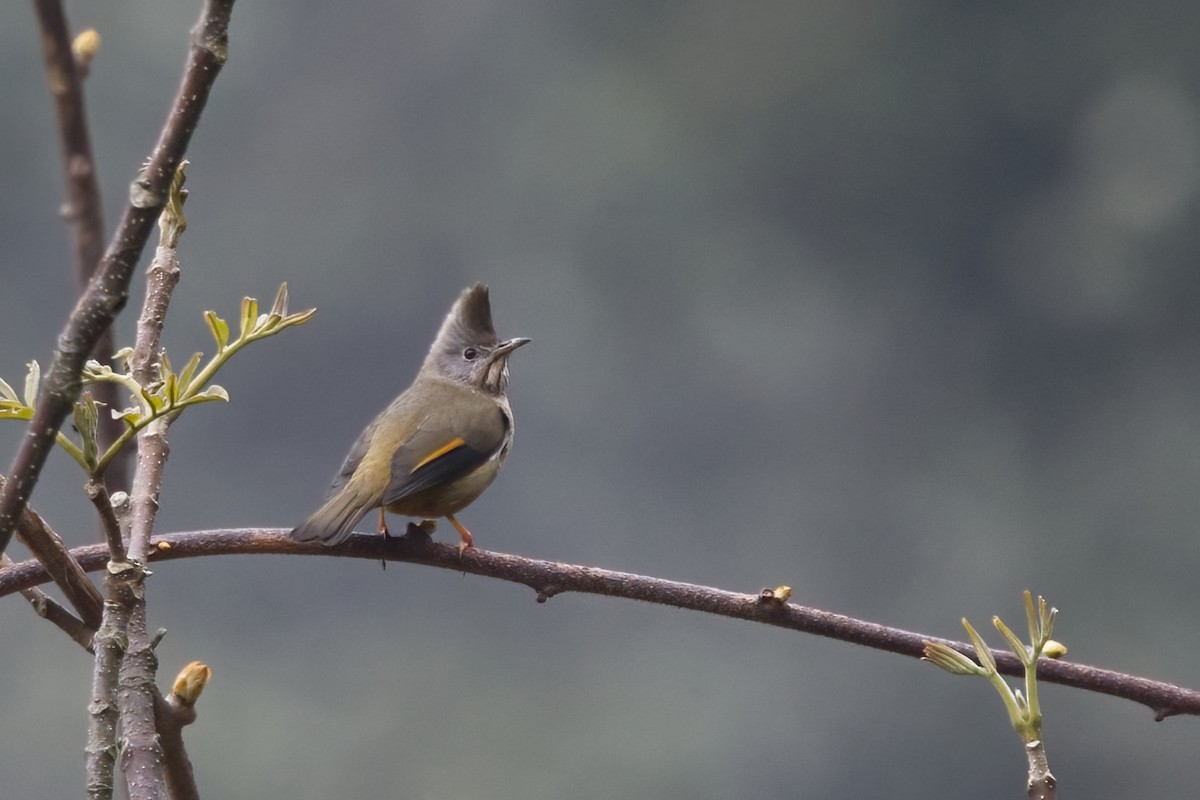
{"x": 468, "y": 541}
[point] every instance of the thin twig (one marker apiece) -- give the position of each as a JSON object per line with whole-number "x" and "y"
{"x": 70, "y": 577}
{"x": 98, "y": 494}
{"x": 83, "y": 210}
{"x": 50, "y": 609}
{"x": 549, "y": 578}
{"x": 108, "y": 291}
{"x": 175, "y": 711}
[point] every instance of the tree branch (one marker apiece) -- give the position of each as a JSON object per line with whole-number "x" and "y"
{"x": 97, "y": 492}
{"x": 153, "y": 448}
{"x": 145, "y": 762}
{"x": 70, "y": 577}
{"x": 83, "y": 209}
{"x": 48, "y": 608}
{"x": 549, "y": 578}
{"x": 142, "y": 758}
{"x": 101, "y": 746}
{"x": 175, "y": 711}
{"x": 108, "y": 291}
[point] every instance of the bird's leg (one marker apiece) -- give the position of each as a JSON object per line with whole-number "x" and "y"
{"x": 383, "y": 529}
{"x": 467, "y": 540}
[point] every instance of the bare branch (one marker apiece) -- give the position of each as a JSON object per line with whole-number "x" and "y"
{"x": 142, "y": 756}
{"x": 83, "y": 209}
{"x": 1041, "y": 784}
{"x": 149, "y": 767}
{"x": 98, "y": 494}
{"x": 153, "y": 448}
{"x": 50, "y": 609}
{"x": 70, "y": 577}
{"x": 110, "y": 643}
{"x": 181, "y": 779}
{"x": 108, "y": 291}
{"x": 549, "y": 578}
{"x": 175, "y": 712}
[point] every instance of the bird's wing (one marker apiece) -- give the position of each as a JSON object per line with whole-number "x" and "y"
{"x": 354, "y": 457}
{"x": 448, "y": 444}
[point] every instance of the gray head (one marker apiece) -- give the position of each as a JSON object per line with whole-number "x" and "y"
{"x": 467, "y": 349}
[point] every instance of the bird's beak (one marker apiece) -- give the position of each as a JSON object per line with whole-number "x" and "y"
{"x": 504, "y": 348}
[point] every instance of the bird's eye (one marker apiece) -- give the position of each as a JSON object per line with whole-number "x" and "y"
{"x": 470, "y": 354}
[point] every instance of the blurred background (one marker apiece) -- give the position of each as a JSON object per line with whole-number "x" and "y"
{"x": 892, "y": 302}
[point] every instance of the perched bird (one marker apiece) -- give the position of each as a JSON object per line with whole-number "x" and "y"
{"x": 440, "y": 444}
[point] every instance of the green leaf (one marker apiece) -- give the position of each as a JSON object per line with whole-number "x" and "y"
{"x": 94, "y": 371}
{"x": 133, "y": 415}
{"x": 982, "y": 652}
{"x": 157, "y": 400}
{"x": 7, "y": 392}
{"x": 299, "y": 318}
{"x": 164, "y": 366}
{"x": 124, "y": 355}
{"x": 32, "y": 380}
{"x": 87, "y": 415}
{"x": 214, "y": 392}
{"x": 279, "y": 307}
{"x": 169, "y": 391}
{"x": 210, "y": 394}
{"x": 189, "y": 371}
{"x": 219, "y": 328}
{"x": 249, "y": 315}
{"x": 1015, "y": 644}
{"x": 950, "y": 660}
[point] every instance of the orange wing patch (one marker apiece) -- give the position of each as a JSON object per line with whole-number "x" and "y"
{"x": 453, "y": 444}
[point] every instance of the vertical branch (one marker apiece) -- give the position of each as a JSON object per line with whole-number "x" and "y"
{"x": 83, "y": 209}
{"x": 1042, "y": 785}
{"x": 108, "y": 291}
{"x": 124, "y": 693}
{"x": 101, "y": 745}
{"x": 144, "y": 761}
{"x": 142, "y": 758}
{"x": 153, "y": 449}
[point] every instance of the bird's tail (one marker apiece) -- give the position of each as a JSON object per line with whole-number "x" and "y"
{"x": 333, "y": 522}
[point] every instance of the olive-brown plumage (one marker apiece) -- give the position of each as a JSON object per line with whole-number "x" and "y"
{"x": 441, "y": 443}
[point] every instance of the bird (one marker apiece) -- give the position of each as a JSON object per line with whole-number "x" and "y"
{"x": 440, "y": 444}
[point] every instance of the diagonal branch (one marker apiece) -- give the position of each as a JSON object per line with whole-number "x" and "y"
{"x": 48, "y": 608}
{"x": 83, "y": 209}
{"x": 74, "y": 582}
{"x": 548, "y": 578}
{"x": 108, "y": 291}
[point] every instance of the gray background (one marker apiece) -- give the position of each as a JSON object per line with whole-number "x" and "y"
{"x": 893, "y": 302}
